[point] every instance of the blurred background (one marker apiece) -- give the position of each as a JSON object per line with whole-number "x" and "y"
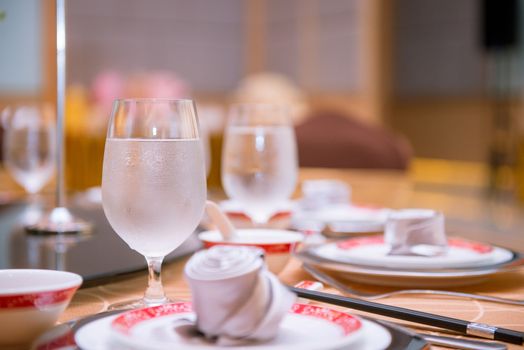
{"x": 431, "y": 87}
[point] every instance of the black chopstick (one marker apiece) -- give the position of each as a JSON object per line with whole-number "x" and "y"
{"x": 453, "y": 324}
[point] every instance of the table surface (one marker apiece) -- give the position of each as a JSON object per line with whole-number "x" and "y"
{"x": 469, "y": 213}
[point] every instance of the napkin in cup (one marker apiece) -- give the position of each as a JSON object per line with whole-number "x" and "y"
{"x": 418, "y": 232}
{"x": 235, "y": 298}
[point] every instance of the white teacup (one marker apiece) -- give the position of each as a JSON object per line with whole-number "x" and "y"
{"x": 31, "y": 302}
{"x": 277, "y": 244}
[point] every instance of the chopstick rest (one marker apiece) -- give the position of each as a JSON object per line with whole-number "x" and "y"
{"x": 235, "y": 298}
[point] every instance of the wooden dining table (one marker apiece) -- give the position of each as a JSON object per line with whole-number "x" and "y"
{"x": 470, "y": 212}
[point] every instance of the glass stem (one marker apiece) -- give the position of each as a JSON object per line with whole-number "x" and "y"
{"x": 60, "y": 256}
{"x": 155, "y": 292}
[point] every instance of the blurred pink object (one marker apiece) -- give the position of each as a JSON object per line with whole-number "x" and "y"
{"x": 110, "y": 85}
{"x": 161, "y": 84}
{"x": 107, "y": 86}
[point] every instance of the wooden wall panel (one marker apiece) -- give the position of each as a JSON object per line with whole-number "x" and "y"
{"x": 200, "y": 40}
{"x": 438, "y": 48}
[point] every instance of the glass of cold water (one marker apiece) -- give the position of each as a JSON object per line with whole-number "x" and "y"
{"x": 153, "y": 182}
{"x": 260, "y": 164}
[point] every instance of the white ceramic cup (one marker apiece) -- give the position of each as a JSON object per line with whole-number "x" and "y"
{"x": 276, "y": 244}
{"x": 31, "y": 302}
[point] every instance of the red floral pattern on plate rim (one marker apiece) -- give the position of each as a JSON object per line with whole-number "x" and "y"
{"x": 125, "y": 322}
{"x": 478, "y": 247}
{"x": 36, "y": 299}
{"x": 268, "y": 248}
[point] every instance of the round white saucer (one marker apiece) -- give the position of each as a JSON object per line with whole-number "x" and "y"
{"x": 373, "y": 251}
{"x": 306, "y": 327}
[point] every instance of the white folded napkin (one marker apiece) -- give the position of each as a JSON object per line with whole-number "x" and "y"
{"x": 416, "y": 232}
{"x": 235, "y": 298}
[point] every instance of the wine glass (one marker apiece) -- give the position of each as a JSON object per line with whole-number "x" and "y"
{"x": 29, "y": 145}
{"x": 29, "y": 152}
{"x": 153, "y": 183}
{"x": 259, "y": 159}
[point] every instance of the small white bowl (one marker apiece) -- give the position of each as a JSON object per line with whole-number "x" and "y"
{"x": 31, "y": 302}
{"x": 277, "y": 244}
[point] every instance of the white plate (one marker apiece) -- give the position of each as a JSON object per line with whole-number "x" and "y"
{"x": 384, "y": 276}
{"x": 299, "y": 331}
{"x": 372, "y": 251}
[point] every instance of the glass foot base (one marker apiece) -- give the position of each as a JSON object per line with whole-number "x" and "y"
{"x": 59, "y": 221}
{"x": 138, "y": 304}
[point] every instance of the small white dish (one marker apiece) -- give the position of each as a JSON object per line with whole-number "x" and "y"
{"x": 277, "y": 244}
{"x": 305, "y": 327}
{"x": 31, "y": 302}
{"x": 373, "y": 251}
{"x": 410, "y": 278}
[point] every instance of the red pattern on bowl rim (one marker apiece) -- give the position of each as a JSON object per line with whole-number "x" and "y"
{"x": 38, "y": 299}
{"x": 478, "y": 247}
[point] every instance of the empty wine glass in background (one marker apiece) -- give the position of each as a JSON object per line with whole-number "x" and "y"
{"x": 29, "y": 145}
{"x": 153, "y": 182}
{"x": 259, "y": 166}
